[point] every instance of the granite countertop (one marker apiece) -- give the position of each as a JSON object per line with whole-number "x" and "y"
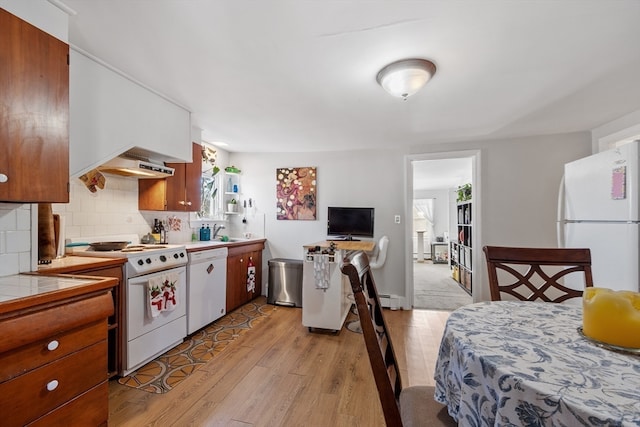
{"x": 71, "y": 264}
{"x": 27, "y": 285}
{"x": 21, "y": 291}
{"x": 54, "y": 281}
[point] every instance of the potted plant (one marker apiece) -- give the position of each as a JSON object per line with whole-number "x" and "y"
{"x": 232, "y": 205}
{"x": 464, "y": 193}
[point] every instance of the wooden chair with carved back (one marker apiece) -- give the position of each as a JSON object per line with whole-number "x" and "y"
{"x": 530, "y": 274}
{"x": 410, "y": 406}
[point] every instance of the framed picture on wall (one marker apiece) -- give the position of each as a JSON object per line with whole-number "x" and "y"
{"x": 296, "y": 193}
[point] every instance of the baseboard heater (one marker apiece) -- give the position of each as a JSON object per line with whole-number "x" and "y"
{"x": 389, "y": 301}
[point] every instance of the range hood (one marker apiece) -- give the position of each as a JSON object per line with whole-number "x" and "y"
{"x": 136, "y": 168}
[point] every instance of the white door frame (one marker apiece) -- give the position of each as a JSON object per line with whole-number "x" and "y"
{"x": 476, "y": 210}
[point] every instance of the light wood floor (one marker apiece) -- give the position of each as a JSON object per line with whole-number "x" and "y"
{"x": 279, "y": 374}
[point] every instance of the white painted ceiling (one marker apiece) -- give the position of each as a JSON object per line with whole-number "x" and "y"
{"x": 300, "y": 75}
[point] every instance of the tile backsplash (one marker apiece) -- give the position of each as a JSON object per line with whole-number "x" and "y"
{"x": 15, "y": 238}
{"x": 114, "y": 210}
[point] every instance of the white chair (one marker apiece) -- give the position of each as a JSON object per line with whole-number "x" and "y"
{"x": 376, "y": 260}
{"x": 380, "y": 254}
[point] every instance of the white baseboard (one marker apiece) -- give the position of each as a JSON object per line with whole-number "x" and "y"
{"x": 390, "y": 301}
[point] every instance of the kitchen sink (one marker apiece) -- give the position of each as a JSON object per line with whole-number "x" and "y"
{"x": 200, "y": 244}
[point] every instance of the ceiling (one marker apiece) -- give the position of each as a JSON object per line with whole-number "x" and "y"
{"x": 299, "y": 76}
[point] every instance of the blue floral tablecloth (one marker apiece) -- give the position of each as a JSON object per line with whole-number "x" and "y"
{"x": 513, "y": 363}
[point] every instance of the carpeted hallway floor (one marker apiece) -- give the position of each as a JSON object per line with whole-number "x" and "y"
{"x": 434, "y": 289}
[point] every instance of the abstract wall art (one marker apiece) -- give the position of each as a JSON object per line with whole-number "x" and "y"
{"x": 296, "y": 193}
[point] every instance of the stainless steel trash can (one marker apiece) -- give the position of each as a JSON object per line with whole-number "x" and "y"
{"x": 285, "y": 282}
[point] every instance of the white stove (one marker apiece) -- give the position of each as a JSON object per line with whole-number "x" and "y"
{"x": 141, "y": 258}
{"x": 147, "y": 334}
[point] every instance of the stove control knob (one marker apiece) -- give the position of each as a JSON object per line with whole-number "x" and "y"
{"x": 175, "y": 256}
{"x": 181, "y": 254}
{"x": 148, "y": 260}
{"x": 163, "y": 258}
{"x": 140, "y": 262}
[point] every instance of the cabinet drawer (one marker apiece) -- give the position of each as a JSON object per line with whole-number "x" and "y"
{"x": 42, "y": 323}
{"x": 28, "y": 397}
{"x": 31, "y": 356}
{"x": 88, "y": 409}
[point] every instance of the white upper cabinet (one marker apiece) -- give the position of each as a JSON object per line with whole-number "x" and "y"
{"x": 111, "y": 114}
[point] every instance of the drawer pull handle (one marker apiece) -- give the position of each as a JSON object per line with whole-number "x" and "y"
{"x": 52, "y": 385}
{"x": 53, "y": 345}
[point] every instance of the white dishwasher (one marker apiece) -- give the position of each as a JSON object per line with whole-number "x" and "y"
{"x": 206, "y": 287}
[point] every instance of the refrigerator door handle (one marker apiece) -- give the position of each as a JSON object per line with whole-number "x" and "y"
{"x": 560, "y": 217}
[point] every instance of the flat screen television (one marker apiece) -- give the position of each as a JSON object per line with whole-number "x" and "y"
{"x": 345, "y": 223}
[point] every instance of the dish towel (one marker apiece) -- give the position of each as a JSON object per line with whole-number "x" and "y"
{"x": 321, "y": 270}
{"x": 163, "y": 295}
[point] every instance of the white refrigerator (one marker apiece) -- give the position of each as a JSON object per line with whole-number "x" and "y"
{"x": 598, "y": 208}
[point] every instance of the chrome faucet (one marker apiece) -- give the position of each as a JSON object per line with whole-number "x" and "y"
{"x": 216, "y": 230}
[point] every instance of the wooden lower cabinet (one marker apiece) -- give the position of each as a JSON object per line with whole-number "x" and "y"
{"x": 116, "y": 321}
{"x": 237, "y": 269}
{"x": 54, "y": 363}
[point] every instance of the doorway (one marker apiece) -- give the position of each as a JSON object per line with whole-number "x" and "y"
{"x": 433, "y": 180}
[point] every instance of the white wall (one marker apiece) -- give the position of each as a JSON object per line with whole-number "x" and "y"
{"x": 519, "y": 185}
{"x": 520, "y": 178}
{"x": 361, "y": 178}
{"x": 625, "y": 128}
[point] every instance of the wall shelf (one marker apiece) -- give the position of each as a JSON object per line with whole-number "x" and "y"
{"x": 461, "y": 247}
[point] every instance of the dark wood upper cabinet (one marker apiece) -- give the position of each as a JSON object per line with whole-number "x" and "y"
{"x": 34, "y": 114}
{"x": 181, "y": 192}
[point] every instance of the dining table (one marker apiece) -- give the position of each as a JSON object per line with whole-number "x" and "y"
{"x": 521, "y": 363}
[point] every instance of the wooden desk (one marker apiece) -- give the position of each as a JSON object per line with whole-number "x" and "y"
{"x": 346, "y": 245}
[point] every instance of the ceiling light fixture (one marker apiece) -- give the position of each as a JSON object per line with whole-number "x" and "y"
{"x": 405, "y": 77}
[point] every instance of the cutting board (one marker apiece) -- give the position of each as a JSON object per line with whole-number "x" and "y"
{"x": 56, "y": 230}
{"x": 47, "y": 248}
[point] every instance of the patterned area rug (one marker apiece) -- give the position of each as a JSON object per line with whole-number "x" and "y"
{"x": 169, "y": 369}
